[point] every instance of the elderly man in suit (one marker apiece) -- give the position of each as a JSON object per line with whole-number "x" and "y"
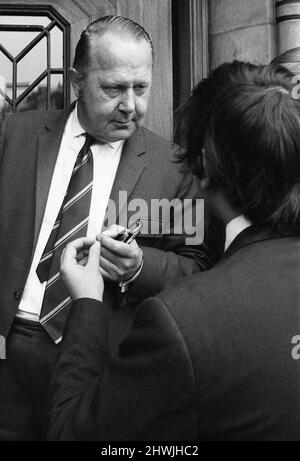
{"x": 214, "y": 357}
{"x": 58, "y": 171}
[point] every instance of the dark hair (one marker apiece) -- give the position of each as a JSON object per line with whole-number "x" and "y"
{"x": 289, "y": 59}
{"x": 117, "y": 24}
{"x": 292, "y": 55}
{"x": 251, "y": 137}
{"x": 192, "y": 117}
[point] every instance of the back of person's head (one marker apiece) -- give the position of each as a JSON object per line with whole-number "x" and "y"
{"x": 192, "y": 117}
{"x": 119, "y": 25}
{"x": 289, "y": 59}
{"x": 252, "y": 149}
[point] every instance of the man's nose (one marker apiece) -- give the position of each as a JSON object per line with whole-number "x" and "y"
{"x": 127, "y": 103}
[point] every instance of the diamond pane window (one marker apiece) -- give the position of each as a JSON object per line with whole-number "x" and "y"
{"x": 34, "y": 58}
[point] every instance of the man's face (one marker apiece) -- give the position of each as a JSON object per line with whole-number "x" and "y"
{"x": 113, "y": 99}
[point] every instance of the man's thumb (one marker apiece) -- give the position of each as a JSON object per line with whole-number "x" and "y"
{"x": 94, "y": 254}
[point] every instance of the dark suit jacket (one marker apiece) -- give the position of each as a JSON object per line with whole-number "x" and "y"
{"x": 209, "y": 359}
{"x": 29, "y": 144}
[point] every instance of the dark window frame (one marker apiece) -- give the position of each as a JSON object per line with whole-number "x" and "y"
{"x": 56, "y": 20}
{"x": 190, "y": 20}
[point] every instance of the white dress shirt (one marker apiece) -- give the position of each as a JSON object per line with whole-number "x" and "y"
{"x": 106, "y": 159}
{"x": 234, "y": 228}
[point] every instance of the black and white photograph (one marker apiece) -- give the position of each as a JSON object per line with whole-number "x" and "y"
{"x": 149, "y": 223}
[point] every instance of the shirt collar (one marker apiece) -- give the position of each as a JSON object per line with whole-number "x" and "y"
{"x": 234, "y": 228}
{"x": 76, "y": 128}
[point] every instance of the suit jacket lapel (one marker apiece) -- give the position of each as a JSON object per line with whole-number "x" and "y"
{"x": 130, "y": 169}
{"x": 47, "y": 151}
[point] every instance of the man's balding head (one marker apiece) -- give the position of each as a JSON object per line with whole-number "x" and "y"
{"x": 122, "y": 27}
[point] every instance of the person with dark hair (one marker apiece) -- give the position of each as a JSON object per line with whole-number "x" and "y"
{"x": 254, "y": 157}
{"x": 59, "y": 173}
{"x": 192, "y": 117}
{"x": 214, "y": 357}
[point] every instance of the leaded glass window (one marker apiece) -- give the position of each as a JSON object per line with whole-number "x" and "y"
{"x": 33, "y": 59}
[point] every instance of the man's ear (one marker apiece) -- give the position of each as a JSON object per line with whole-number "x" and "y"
{"x": 204, "y": 181}
{"x": 77, "y": 81}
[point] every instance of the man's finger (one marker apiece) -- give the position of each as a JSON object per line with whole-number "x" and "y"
{"x": 62, "y": 256}
{"x": 68, "y": 257}
{"x": 81, "y": 243}
{"x": 69, "y": 254}
{"x": 109, "y": 256}
{"x": 113, "y": 231}
{"x": 105, "y": 275}
{"x": 111, "y": 269}
{"x": 119, "y": 248}
{"x": 94, "y": 255}
{"x": 83, "y": 261}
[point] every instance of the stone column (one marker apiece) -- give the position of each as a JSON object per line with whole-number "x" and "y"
{"x": 242, "y": 29}
{"x": 288, "y": 25}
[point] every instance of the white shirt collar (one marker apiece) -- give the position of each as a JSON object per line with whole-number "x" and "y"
{"x": 234, "y": 228}
{"x": 76, "y": 128}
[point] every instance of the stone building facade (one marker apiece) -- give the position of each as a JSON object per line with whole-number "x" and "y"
{"x": 190, "y": 37}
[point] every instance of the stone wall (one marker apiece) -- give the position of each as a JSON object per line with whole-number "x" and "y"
{"x": 243, "y": 30}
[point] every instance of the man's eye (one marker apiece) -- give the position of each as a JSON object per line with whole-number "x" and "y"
{"x": 140, "y": 89}
{"x": 112, "y": 90}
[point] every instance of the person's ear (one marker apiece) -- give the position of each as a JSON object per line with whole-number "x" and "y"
{"x": 76, "y": 80}
{"x": 204, "y": 181}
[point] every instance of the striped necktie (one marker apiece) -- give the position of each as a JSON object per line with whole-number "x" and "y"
{"x": 71, "y": 223}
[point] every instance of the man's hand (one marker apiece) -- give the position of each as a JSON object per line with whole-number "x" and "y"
{"x": 118, "y": 261}
{"x": 82, "y": 280}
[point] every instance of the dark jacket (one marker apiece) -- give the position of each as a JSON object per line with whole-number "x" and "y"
{"x": 29, "y": 144}
{"x": 209, "y": 359}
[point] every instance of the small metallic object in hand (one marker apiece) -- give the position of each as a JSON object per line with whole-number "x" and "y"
{"x": 127, "y": 236}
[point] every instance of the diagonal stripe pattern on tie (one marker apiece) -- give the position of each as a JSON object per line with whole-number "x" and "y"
{"x": 71, "y": 223}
